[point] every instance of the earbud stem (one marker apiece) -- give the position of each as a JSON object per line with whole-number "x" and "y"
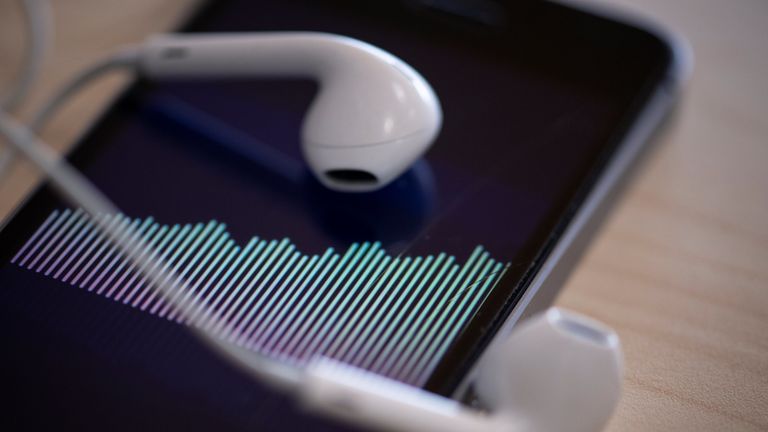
{"x": 223, "y": 55}
{"x": 372, "y": 401}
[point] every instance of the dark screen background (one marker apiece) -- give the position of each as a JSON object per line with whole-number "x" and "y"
{"x": 535, "y": 97}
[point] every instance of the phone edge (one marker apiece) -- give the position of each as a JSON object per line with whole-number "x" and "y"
{"x": 651, "y": 122}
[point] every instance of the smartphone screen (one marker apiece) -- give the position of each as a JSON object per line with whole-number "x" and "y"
{"x": 410, "y": 281}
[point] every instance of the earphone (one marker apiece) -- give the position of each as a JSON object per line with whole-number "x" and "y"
{"x": 558, "y": 371}
{"x": 373, "y": 117}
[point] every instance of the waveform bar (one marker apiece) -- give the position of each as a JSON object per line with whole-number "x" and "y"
{"x": 394, "y": 315}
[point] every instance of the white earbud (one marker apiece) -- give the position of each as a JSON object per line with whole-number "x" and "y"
{"x": 373, "y": 117}
{"x": 557, "y": 372}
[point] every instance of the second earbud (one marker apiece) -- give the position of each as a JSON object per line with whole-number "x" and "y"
{"x": 558, "y": 371}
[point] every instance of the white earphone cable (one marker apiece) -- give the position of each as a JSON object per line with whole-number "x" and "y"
{"x": 125, "y": 58}
{"x": 39, "y": 20}
{"x": 78, "y": 190}
{"x": 39, "y": 28}
{"x": 82, "y": 193}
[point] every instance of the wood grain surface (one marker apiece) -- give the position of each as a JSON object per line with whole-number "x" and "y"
{"x": 681, "y": 268}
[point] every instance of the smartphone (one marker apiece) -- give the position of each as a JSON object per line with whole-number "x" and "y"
{"x": 546, "y": 108}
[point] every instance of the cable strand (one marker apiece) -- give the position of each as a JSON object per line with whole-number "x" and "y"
{"x": 39, "y": 20}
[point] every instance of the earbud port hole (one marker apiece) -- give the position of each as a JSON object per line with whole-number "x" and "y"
{"x": 351, "y": 176}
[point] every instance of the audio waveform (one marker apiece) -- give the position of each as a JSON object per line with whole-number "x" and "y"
{"x": 393, "y": 315}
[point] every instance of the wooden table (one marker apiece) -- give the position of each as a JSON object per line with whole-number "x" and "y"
{"x": 681, "y": 268}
